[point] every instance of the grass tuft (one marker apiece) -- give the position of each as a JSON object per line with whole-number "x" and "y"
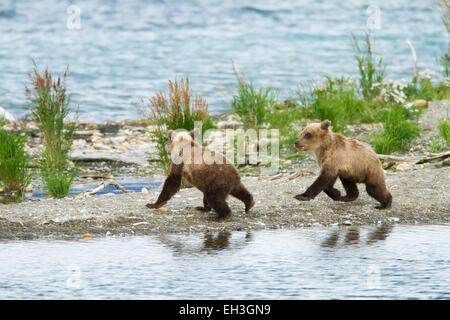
{"x": 14, "y": 173}
{"x": 371, "y": 69}
{"x": 398, "y": 131}
{"x": 444, "y": 129}
{"x": 50, "y": 111}
{"x": 179, "y": 110}
{"x": 250, "y": 103}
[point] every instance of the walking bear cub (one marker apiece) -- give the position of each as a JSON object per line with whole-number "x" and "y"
{"x": 209, "y": 171}
{"x": 350, "y": 160}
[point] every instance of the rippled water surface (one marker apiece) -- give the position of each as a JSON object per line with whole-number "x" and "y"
{"x": 126, "y": 50}
{"x": 400, "y": 262}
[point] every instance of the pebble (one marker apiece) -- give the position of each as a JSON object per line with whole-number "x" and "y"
{"x": 403, "y": 167}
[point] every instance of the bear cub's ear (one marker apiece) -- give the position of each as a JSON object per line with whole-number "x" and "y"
{"x": 170, "y": 134}
{"x": 325, "y": 124}
{"x": 194, "y": 133}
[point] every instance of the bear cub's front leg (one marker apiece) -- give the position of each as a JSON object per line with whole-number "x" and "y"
{"x": 325, "y": 183}
{"x": 171, "y": 187}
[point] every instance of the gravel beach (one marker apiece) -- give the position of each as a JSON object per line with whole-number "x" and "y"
{"x": 420, "y": 196}
{"x": 419, "y": 188}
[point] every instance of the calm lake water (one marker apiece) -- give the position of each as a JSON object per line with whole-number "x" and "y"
{"x": 400, "y": 262}
{"x": 126, "y": 50}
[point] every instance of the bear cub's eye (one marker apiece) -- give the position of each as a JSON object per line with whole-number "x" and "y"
{"x": 308, "y": 135}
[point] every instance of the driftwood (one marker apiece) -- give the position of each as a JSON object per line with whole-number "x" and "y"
{"x": 416, "y": 160}
{"x": 106, "y": 184}
{"x": 294, "y": 175}
{"x": 441, "y": 156}
{"x": 277, "y": 176}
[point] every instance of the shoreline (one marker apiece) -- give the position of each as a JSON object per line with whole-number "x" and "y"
{"x": 275, "y": 207}
{"x": 127, "y": 150}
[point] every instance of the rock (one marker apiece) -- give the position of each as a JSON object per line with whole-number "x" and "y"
{"x": 231, "y": 122}
{"x": 347, "y": 223}
{"x": 421, "y": 103}
{"x": 403, "y": 167}
{"x": 144, "y": 190}
{"x": 110, "y": 128}
{"x": 446, "y": 162}
{"x": 7, "y": 116}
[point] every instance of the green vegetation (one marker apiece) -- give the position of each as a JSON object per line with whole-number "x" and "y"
{"x": 285, "y": 118}
{"x": 50, "y": 111}
{"x": 437, "y": 145}
{"x": 444, "y": 129}
{"x": 398, "y": 130}
{"x": 180, "y": 110}
{"x": 371, "y": 69}
{"x": 296, "y": 156}
{"x": 251, "y": 104}
{"x": 14, "y": 173}
{"x": 337, "y": 100}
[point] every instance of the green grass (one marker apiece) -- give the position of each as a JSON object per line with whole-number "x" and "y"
{"x": 296, "y": 156}
{"x": 250, "y": 103}
{"x": 437, "y": 145}
{"x": 14, "y": 173}
{"x": 444, "y": 130}
{"x": 371, "y": 69}
{"x": 50, "y": 111}
{"x": 284, "y": 120}
{"x": 338, "y": 100}
{"x": 423, "y": 89}
{"x": 398, "y": 130}
{"x": 57, "y": 184}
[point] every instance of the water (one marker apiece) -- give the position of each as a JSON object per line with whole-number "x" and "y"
{"x": 403, "y": 262}
{"x": 126, "y": 50}
{"x": 130, "y": 184}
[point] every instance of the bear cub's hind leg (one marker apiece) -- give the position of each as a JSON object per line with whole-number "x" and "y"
{"x": 351, "y": 190}
{"x": 380, "y": 193}
{"x": 217, "y": 201}
{"x": 206, "y": 207}
{"x": 240, "y": 192}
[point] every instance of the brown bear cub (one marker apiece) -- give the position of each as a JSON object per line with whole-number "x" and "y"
{"x": 350, "y": 160}
{"x": 209, "y": 171}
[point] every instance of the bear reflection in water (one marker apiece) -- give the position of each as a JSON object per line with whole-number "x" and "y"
{"x": 211, "y": 243}
{"x": 352, "y": 236}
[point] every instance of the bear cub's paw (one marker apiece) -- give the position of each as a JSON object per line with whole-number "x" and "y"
{"x": 203, "y": 209}
{"x": 249, "y": 205}
{"x": 223, "y": 218}
{"x": 152, "y": 205}
{"x": 302, "y": 197}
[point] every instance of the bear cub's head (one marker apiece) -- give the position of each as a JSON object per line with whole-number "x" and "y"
{"x": 181, "y": 138}
{"x": 313, "y": 136}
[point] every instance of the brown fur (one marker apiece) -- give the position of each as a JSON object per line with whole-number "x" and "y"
{"x": 350, "y": 160}
{"x": 215, "y": 180}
